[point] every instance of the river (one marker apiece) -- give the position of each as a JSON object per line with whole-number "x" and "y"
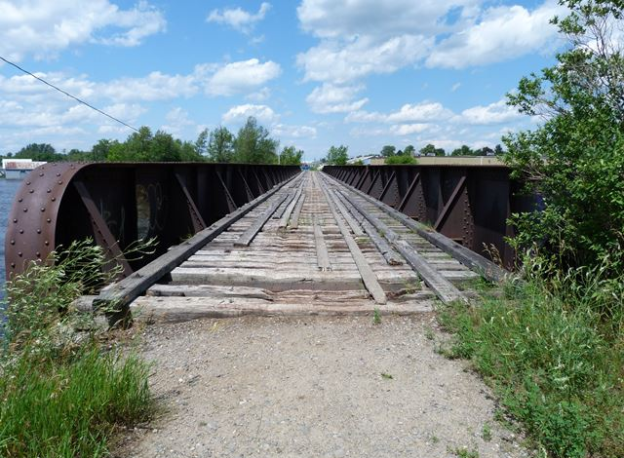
{"x": 8, "y": 188}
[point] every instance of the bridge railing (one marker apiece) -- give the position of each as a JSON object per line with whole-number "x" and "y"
{"x": 469, "y": 204}
{"x": 118, "y": 204}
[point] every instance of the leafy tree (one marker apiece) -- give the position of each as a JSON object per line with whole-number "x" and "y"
{"x": 575, "y": 160}
{"x": 403, "y": 159}
{"x": 201, "y": 144}
{"x": 39, "y": 152}
{"x": 388, "y": 151}
{"x": 253, "y": 144}
{"x": 464, "y": 150}
{"x": 430, "y": 149}
{"x": 498, "y": 150}
{"x": 337, "y": 155}
{"x": 100, "y": 151}
{"x": 221, "y": 145}
{"x": 409, "y": 150}
{"x": 290, "y": 156}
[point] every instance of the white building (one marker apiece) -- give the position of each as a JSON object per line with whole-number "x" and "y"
{"x": 16, "y": 169}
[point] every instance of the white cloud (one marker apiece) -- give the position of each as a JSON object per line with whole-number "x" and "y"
{"x": 259, "y": 96}
{"x": 238, "y": 18}
{"x": 155, "y": 86}
{"x": 43, "y": 28}
{"x": 348, "y": 18}
{"x": 494, "y": 113}
{"x": 289, "y": 131}
{"x": 329, "y": 98}
{"x": 455, "y": 87}
{"x": 177, "y": 121}
{"x": 424, "y": 112}
{"x": 504, "y": 32}
{"x": 340, "y": 63}
{"x": 237, "y": 77}
{"x": 409, "y": 129}
{"x": 240, "y": 113}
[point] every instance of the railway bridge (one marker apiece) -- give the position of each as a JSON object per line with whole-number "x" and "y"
{"x": 273, "y": 240}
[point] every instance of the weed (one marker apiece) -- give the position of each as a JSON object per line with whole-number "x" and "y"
{"x": 552, "y": 350}
{"x": 386, "y": 376}
{"x": 376, "y": 316}
{"x": 435, "y": 439}
{"x": 486, "y": 432}
{"x": 429, "y": 335}
{"x": 464, "y": 452}
{"x": 62, "y": 394}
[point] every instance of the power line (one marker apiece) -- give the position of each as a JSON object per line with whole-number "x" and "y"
{"x": 68, "y": 94}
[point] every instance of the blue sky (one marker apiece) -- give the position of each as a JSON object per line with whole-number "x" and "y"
{"x": 316, "y": 73}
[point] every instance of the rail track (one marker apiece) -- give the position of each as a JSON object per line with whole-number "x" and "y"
{"x": 312, "y": 245}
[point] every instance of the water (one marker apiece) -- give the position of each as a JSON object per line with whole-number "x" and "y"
{"x": 8, "y": 188}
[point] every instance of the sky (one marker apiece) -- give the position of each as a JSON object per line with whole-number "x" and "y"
{"x": 315, "y": 73}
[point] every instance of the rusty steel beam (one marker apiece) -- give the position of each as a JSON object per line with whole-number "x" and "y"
{"x": 468, "y": 204}
{"x": 120, "y": 204}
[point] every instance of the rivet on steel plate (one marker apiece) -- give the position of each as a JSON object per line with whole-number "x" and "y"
{"x": 15, "y": 220}
{"x": 20, "y": 254}
{"x": 53, "y": 199}
{"x": 31, "y": 191}
{"x": 25, "y": 210}
{"x": 58, "y": 174}
{"x": 12, "y": 265}
{"x": 42, "y": 209}
{"x": 21, "y": 231}
{"x": 38, "y": 254}
{"x": 27, "y": 183}
{"x": 46, "y": 243}
{"x": 49, "y": 220}
{"x": 60, "y": 182}
{"x": 12, "y": 242}
{"x": 41, "y": 174}
{"x": 38, "y": 231}
{"x": 20, "y": 200}
{"x": 49, "y": 191}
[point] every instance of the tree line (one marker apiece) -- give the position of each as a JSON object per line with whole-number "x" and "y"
{"x": 251, "y": 145}
{"x": 339, "y": 155}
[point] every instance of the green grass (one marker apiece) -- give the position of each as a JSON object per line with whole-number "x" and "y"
{"x": 376, "y": 316}
{"x": 63, "y": 394}
{"x": 70, "y": 408}
{"x": 554, "y": 353}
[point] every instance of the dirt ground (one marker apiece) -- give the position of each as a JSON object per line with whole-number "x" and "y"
{"x": 314, "y": 387}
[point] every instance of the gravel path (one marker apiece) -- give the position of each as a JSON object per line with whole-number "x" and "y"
{"x": 314, "y": 387}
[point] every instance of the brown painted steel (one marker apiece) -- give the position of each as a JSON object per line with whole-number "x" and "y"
{"x": 118, "y": 204}
{"x": 469, "y": 204}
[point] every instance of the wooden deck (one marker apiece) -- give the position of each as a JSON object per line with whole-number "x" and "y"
{"x": 313, "y": 247}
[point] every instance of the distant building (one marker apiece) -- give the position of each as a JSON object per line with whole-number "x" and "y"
{"x": 16, "y": 169}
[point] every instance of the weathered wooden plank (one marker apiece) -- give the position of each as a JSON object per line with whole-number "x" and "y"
{"x": 246, "y": 238}
{"x": 443, "y": 288}
{"x": 367, "y": 274}
{"x": 472, "y": 260}
{"x": 322, "y": 256}
{"x": 121, "y": 293}
{"x": 176, "y": 309}
{"x": 291, "y": 206}
{"x": 297, "y": 213}
{"x": 211, "y": 291}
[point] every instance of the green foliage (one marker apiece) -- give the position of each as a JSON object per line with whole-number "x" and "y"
{"x": 554, "y": 359}
{"x": 387, "y": 376}
{"x": 290, "y": 156}
{"x": 401, "y": 160}
{"x": 388, "y": 151}
{"x": 254, "y": 146}
{"x": 337, "y": 155}
{"x": 464, "y": 150}
{"x": 221, "y": 145}
{"x": 63, "y": 395}
{"x": 38, "y": 152}
{"x": 376, "y": 316}
{"x": 430, "y": 149}
{"x": 575, "y": 160}
{"x": 409, "y": 150}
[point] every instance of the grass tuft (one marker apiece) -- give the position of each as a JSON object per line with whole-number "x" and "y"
{"x": 554, "y": 355}
{"x": 63, "y": 395}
